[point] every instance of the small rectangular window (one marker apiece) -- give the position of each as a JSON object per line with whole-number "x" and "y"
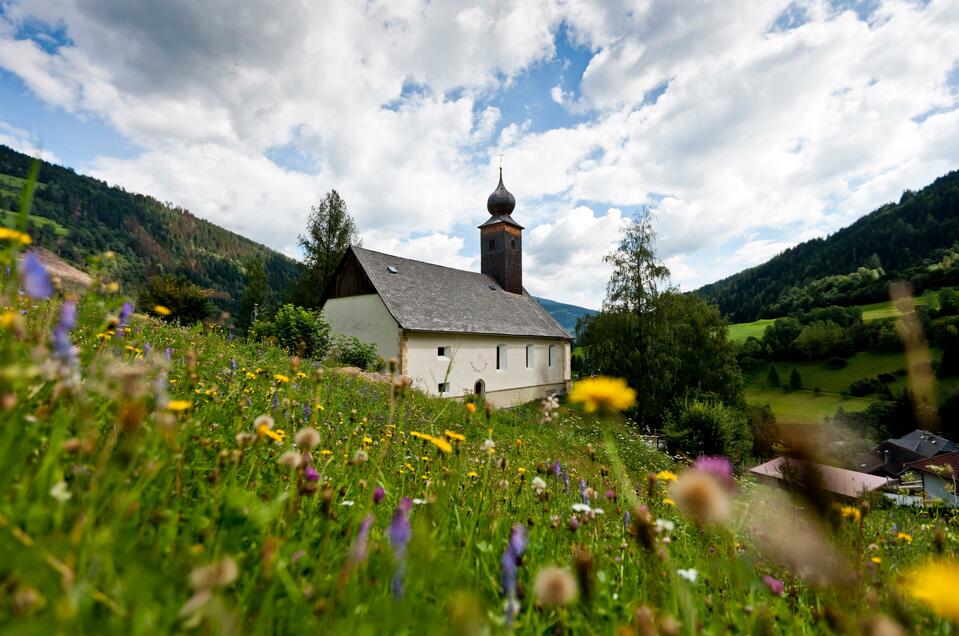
{"x": 552, "y": 356}
{"x": 491, "y": 243}
{"x": 443, "y": 353}
{"x": 512, "y": 243}
{"x": 500, "y": 357}
{"x": 443, "y": 387}
{"x": 529, "y": 357}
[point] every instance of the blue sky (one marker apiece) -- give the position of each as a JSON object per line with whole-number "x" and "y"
{"x": 744, "y": 127}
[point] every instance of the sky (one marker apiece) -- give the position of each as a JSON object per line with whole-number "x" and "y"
{"x": 744, "y": 127}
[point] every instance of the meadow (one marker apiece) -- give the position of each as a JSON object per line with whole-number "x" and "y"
{"x": 156, "y": 478}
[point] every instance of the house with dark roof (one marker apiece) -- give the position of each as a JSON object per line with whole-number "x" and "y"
{"x": 784, "y": 471}
{"x": 456, "y": 332}
{"x": 940, "y": 475}
{"x": 891, "y": 456}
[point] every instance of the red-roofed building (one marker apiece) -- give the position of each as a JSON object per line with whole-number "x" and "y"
{"x": 847, "y": 483}
{"x": 940, "y": 476}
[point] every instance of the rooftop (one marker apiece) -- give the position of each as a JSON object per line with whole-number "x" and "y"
{"x": 926, "y": 443}
{"x": 848, "y": 483}
{"x": 947, "y": 463}
{"x": 426, "y": 297}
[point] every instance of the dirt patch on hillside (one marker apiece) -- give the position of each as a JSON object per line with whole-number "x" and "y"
{"x": 70, "y": 277}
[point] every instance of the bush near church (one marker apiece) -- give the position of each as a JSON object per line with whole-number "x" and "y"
{"x": 297, "y": 330}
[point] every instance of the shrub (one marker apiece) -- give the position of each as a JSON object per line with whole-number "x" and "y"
{"x": 836, "y": 363}
{"x": 708, "y": 427}
{"x": 773, "y": 377}
{"x": 300, "y": 331}
{"x": 864, "y": 386}
{"x": 353, "y": 352}
{"x": 186, "y": 302}
{"x": 795, "y": 381}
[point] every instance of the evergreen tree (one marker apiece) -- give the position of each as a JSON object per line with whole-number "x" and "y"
{"x": 795, "y": 382}
{"x": 255, "y": 294}
{"x": 773, "y": 377}
{"x": 330, "y": 231}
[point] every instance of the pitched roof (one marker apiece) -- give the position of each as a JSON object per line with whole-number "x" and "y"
{"x": 925, "y": 443}
{"x": 930, "y": 464}
{"x": 887, "y": 457}
{"x": 848, "y": 483}
{"x": 427, "y": 297}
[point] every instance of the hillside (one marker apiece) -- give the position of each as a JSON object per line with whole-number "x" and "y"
{"x": 76, "y": 217}
{"x": 566, "y": 315}
{"x": 911, "y": 240}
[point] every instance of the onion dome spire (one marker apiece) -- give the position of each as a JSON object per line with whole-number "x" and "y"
{"x": 500, "y": 201}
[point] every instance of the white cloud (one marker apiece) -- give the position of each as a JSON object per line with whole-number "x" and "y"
{"x": 732, "y": 125}
{"x": 22, "y": 141}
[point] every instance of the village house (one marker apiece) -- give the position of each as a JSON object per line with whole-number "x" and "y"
{"x": 890, "y": 457}
{"x": 939, "y": 475}
{"x": 455, "y": 332}
{"x": 850, "y": 484}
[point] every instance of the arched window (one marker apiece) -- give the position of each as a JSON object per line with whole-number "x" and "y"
{"x": 479, "y": 388}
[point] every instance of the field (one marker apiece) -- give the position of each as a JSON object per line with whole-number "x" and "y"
{"x": 803, "y": 407}
{"x": 739, "y": 332}
{"x": 158, "y": 479}
{"x": 9, "y": 218}
{"x": 10, "y": 184}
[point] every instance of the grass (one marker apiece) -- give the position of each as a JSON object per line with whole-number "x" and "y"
{"x": 137, "y": 496}
{"x": 10, "y": 184}
{"x": 804, "y": 407}
{"x": 8, "y": 218}
{"x": 739, "y": 332}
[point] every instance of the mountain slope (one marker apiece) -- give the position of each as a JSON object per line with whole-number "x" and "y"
{"x": 909, "y": 240}
{"x": 77, "y": 217}
{"x": 566, "y": 315}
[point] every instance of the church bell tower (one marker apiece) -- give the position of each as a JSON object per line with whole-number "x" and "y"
{"x": 501, "y": 241}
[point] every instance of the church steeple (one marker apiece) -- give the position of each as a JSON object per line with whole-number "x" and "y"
{"x": 501, "y": 241}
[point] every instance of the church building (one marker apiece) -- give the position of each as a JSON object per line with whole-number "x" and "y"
{"x": 456, "y": 332}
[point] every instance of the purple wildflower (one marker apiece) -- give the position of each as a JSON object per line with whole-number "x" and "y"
{"x": 168, "y": 353}
{"x": 626, "y": 520}
{"x": 63, "y": 349}
{"x": 508, "y": 573}
{"x": 125, "y": 312}
{"x": 233, "y": 365}
{"x": 147, "y": 348}
{"x": 378, "y": 495}
{"x": 510, "y": 562}
{"x": 775, "y": 585}
{"x": 306, "y": 411}
{"x": 276, "y": 400}
{"x": 717, "y": 466}
{"x": 310, "y": 474}
{"x": 582, "y": 492}
{"x": 556, "y": 469}
{"x": 360, "y": 544}
{"x": 566, "y": 482}
{"x": 517, "y": 540}
{"x": 399, "y": 534}
{"x": 34, "y": 277}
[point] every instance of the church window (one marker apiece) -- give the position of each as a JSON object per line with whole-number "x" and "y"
{"x": 552, "y": 356}
{"x": 529, "y": 357}
{"x": 443, "y": 353}
{"x": 501, "y": 357}
{"x": 491, "y": 244}
{"x": 443, "y": 387}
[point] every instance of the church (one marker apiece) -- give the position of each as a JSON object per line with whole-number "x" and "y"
{"x": 456, "y": 332}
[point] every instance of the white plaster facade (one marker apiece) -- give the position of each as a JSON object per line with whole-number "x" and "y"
{"x": 367, "y": 318}
{"x": 465, "y": 360}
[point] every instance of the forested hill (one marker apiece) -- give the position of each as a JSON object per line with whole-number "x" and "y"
{"x": 566, "y": 315}
{"x": 77, "y": 216}
{"x": 914, "y": 239}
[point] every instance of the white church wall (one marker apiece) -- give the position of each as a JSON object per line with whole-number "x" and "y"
{"x": 367, "y": 318}
{"x": 473, "y": 357}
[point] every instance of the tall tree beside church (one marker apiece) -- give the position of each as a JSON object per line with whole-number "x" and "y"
{"x": 330, "y": 231}
{"x": 255, "y": 295}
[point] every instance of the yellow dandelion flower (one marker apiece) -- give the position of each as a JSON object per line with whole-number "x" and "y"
{"x": 519, "y": 442}
{"x": 300, "y": 374}
{"x": 326, "y": 451}
{"x": 470, "y": 408}
{"x": 6, "y": 234}
{"x": 178, "y": 405}
{"x": 603, "y": 394}
{"x": 666, "y": 475}
{"x": 521, "y": 470}
{"x": 441, "y": 444}
{"x": 905, "y": 538}
{"x": 934, "y": 584}
{"x": 367, "y": 439}
{"x": 160, "y": 310}
{"x": 850, "y": 512}
{"x": 8, "y": 319}
{"x": 455, "y": 436}
{"x": 276, "y": 436}
{"x": 279, "y": 377}
{"x": 472, "y": 473}
{"x": 250, "y": 376}
{"x": 419, "y": 435}
{"x": 669, "y": 502}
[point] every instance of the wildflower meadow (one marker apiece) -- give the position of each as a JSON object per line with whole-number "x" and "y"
{"x": 156, "y": 478}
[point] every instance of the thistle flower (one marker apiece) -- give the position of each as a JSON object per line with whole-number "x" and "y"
{"x": 717, "y": 466}
{"x": 775, "y": 585}
{"x": 554, "y": 587}
{"x": 310, "y": 474}
{"x": 308, "y": 438}
{"x": 700, "y": 496}
{"x": 34, "y": 277}
{"x": 290, "y": 459}
{"x": 378, "y": 495}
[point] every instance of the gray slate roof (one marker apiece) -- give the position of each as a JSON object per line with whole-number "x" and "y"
{"x": 426, "y": 297}
{"x": 925, "y": 443}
